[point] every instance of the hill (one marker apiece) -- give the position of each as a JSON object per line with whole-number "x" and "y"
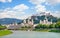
{"x": 9, "y": 20}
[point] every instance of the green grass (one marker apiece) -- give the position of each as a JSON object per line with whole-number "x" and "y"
{"x": 41, "y": 30}
{"x": 5, "y": 32}
{"x": 46, "y": 30}
{"x": 57, "y": 31}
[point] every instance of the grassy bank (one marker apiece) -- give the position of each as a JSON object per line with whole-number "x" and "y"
{"x": 41, "y": 30}
{"x": 57, "y": 31}
{"x": 5, "y": 32}
{"x": 46, "y": 30}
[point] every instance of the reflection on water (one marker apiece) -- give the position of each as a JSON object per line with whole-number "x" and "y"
{"x": 32, "y": 34}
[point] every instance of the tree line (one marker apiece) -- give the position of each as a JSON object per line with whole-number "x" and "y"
{"x": 51, "y": 26}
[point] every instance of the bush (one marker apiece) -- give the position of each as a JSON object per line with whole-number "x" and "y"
{"x": 2, "y": 27}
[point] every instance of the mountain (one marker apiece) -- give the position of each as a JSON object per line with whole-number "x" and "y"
{"x": 9, "y": 20}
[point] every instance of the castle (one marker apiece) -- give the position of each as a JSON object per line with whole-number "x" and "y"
{"x": 36, "y": 19}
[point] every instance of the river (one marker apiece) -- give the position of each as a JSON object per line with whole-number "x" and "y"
{"x": 32, "y": 34}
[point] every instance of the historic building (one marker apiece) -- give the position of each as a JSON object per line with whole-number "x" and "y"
{"x": 13, "y": 26}
{"x": 45, "y": 21}
{"x": 42, "y": 18}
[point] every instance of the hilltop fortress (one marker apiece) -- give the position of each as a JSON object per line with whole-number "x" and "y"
{"x": 40, "y": 18}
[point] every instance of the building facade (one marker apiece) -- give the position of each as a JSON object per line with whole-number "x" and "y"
{"x": 38, "y": 19}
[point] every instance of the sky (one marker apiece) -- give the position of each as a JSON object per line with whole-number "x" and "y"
{"x": 22, "y": 9}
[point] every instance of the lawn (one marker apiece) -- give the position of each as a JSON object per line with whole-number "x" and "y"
{"x": 5, "y": 32}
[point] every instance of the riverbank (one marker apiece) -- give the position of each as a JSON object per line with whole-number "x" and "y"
{"x": 5, "y": 32}
{"x": 47, "y": 30}
{"x": 32, "y": 34}
{"x": 40, "y": 30}
{"x": 57, "y": 31}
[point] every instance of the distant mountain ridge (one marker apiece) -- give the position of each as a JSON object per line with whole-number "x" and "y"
{"x": 9, "y": 20}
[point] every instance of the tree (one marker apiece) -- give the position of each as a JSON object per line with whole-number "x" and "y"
{"x": 51, "y": 26}
{"x": 38, "y": 26}
{"x": 2, "y": 27}
{"x": 57, "y": 25}
{"x": 43, "y": 26}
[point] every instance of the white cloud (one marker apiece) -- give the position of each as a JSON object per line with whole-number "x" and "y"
{"x": 50, "y": 2}
{"x": 5, "y": 0}
{"x": 53, "y": 2}
{"x": 13, "y": 14}
{"x": 7, "y": 14}
{"x": 9, "y": 0}
{"x": 21, "y": 7}
{"x": 10, "y": 14}
{"x": 37, "y": 1}
{"x": 16, "y": 12}
{"x": 25, "y": 16}
{"x": 40, "y": 8}
{"x": 56, "y": 14}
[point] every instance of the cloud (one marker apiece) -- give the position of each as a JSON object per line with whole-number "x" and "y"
{"x": 50, "y": 2}
{"x": 7, "y": 14}
{"x": 25, "y": 16}
{"x": 40, "y": 8}
{"x": 5, "y": 0}
{"x": 21, "y": 7}
{"x": 38, "y": 5}
{"x": 13, "y": 14}
{"x": 56, "y": 14}
{"x": 10, "y": 14}
{"x": 37, "y": 1}
{"x": 53, "y": 2}
{"x": 16, "y": 12}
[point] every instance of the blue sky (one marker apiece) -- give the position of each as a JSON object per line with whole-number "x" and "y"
{"x": 21, "y": 9}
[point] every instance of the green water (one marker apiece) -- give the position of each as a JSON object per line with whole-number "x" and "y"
{"x": 32, "y": 34}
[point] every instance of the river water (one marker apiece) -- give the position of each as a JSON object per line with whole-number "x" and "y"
{"x": 32, "y": 34}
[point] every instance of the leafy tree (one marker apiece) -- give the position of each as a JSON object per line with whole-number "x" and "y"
{"x": 51, "y": 26}
{"x": 2, "y": 27}
{"x": 38, "y": 26}
{"x": 57, "y": 25}
{"x": 43, "y": 26}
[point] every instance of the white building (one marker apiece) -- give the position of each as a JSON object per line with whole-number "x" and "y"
{"x": 45, "y": 21}
{"x": 13, "y": 26}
